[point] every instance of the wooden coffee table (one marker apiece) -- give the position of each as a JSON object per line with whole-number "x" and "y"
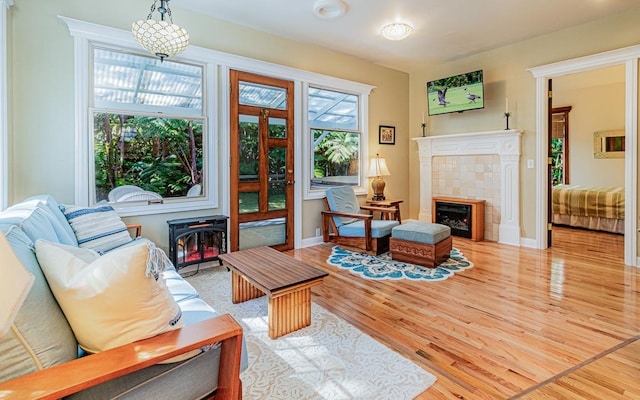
{"x": 286, "y": 281}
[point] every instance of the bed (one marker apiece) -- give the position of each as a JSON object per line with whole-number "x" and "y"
{"x": 592, "y": 207}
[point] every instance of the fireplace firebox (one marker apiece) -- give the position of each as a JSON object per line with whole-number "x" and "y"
{"x": 465, "y": 217}
{"x": 455, "y": 216}
{"x": 197, "y": 240}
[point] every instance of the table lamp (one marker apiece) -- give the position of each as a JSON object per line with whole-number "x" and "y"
{"x": 377, "y": 169}
{"x": 14, "y": 286}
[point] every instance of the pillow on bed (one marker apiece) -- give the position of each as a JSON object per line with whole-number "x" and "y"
{"x": 98, "y": 228}
{"x": 108, "y": 301}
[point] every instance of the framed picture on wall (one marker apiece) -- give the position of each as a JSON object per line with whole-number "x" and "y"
{"x": 387, "y": 134}
{"x": 609, "y": 144}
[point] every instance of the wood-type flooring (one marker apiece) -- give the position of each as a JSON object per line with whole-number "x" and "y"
{"x": 561, "y": 323}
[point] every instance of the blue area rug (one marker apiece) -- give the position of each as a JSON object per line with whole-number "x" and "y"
{"x": 383, "y": 267}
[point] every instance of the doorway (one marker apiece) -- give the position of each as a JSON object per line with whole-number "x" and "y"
{"x": 629, "y": 58}
{"x": 261, "y": 162}
{"x": 587, "y": 187}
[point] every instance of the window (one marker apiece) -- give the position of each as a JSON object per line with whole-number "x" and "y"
{"x": 560, "y": 145}
{"x": 149, "y": 138}
{"x": 335, "y": 138}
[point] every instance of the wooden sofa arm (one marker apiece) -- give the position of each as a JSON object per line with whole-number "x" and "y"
{"x": 71, "y": 377}
{"x": 137, "y": 228}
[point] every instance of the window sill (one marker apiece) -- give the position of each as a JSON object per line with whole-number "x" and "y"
{"x": 134, "y": 209}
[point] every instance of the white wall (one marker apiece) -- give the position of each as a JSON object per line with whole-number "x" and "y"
{"x": 597, "y": 99}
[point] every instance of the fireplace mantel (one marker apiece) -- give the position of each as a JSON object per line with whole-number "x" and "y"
{"x": 505, "y": 144}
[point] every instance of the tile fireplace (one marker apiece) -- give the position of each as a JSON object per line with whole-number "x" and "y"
{"x": 503, "y": 200}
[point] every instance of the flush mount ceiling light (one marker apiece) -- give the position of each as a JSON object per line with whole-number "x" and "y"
{"x": 162, "y": 38}
{"x": 396, "y": 30}
{"x": 329, "y": 8}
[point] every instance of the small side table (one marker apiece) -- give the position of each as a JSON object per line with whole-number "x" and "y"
{"x": 387, "y": 204}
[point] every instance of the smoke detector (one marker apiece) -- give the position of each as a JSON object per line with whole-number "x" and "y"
{"x": 329, "y": 9}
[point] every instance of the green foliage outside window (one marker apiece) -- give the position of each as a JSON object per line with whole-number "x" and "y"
{"x": 336, "y": 154}
{"x": 162, "y": 155}
{"x": 557, "y": 159}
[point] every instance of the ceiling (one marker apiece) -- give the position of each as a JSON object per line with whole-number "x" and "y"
{"x": 444, "y": 30}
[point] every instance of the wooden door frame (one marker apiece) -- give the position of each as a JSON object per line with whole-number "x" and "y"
{"x": 290, "y": 115}
{"x": 549, "y": 163}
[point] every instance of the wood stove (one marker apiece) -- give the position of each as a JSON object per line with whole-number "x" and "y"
{"x": 456, "y": 216}
{"x": 197, "y": 240}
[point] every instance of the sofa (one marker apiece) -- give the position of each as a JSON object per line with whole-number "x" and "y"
{"x": 41, "y": 356}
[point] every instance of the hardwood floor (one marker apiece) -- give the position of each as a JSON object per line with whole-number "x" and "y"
{"x": 560, "y": 323}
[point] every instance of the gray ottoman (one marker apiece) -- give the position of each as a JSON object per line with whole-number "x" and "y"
{"x": 421, "y": 243}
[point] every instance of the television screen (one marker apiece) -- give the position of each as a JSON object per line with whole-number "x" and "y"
{"x": 456, "y": 93}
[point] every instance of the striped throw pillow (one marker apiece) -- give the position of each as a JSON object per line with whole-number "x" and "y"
{"x": 97, "y": 228}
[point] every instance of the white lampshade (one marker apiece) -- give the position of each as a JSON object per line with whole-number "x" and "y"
{"x": 378, "y": 167}
{"x": 14, "y": 286}
{"x": 162, "y": 38}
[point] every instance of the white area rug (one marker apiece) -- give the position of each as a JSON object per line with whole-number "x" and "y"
{"x": 330, "y": 359}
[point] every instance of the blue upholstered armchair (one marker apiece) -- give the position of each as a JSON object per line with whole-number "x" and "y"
{"x": 344, "y": 222}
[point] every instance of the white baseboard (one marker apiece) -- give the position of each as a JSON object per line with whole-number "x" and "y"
{"x": 531, "y": 243}
{"x": 312, "y": 241}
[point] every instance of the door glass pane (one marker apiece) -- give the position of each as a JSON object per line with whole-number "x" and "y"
{"x": 277, "y": 178}
{"x": 249, "y": 143}
{"x": 249, "y": 202}
{"x": 263, "y": 233}
{"x": 277, "y": 128}
{"x": 254, "y": 94}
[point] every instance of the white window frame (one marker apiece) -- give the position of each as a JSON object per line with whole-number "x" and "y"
{"x": 363, "y": 106}
{"x": 4, "y": 113}
{"x": 85, "y": 37}
{"x": 148, "y": 111}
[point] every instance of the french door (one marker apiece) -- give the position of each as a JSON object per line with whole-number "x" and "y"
{"x": 262, "y": 162}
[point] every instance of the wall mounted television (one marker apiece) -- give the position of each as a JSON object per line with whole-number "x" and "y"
{"x": 456, "y": 93}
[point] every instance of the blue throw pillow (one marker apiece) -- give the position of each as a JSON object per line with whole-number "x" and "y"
{"x": 97, "y": 228}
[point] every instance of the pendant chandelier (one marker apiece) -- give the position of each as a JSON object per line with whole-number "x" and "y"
{"x": 162, "y": 38}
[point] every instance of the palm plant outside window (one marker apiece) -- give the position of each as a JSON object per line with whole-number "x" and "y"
{"x": 335, "y": 138}
{"x": 148, "y": 126}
